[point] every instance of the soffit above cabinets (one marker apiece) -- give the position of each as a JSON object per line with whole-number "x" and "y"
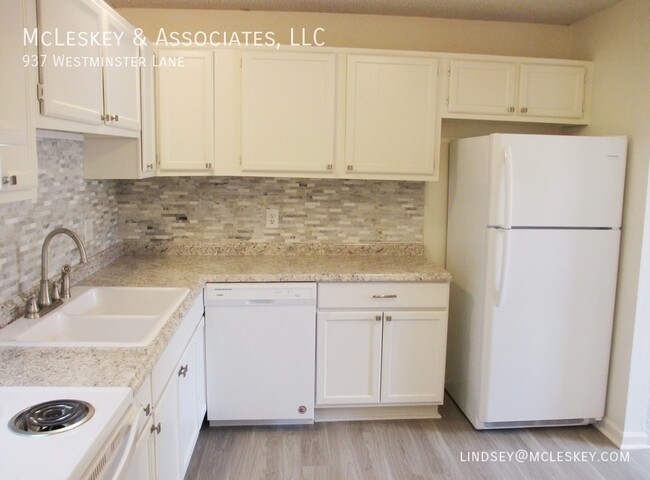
{"x": 554, "y": 12}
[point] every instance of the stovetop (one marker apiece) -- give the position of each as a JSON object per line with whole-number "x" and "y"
{"x": 67, "y": 453}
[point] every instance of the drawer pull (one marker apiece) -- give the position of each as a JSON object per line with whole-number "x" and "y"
{"x": 156, "y": 429}
{"x": 378, "y": 318}
{"x": 389, "y": 318}
{"x": 385, "y": 296}
{"x": 183, "y": 370}
{"x": 147, "y": 409}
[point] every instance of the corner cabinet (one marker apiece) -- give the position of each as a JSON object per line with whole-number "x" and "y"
{"x": 380, "y": 345}
{"x": 543, "y": 91}
{"x": 83, "y": 83}
{"x": 288, "y": 112}
{"x": 392, "y": 125}
{"x": 185, "y": 93}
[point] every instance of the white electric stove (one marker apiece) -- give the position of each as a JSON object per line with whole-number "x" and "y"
{"x": 58, "y": 440}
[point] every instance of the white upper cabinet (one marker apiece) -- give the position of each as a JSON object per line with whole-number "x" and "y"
{"x": 90, "y": 73}
{"x": 71, "y": 93}
{"x": 149, "y": 140}
{"x": 185, "y": 93}
{"x": 482, "y": 87}
{"x": 18, "y": 166}
{"x": 552, "y": 90}
{"x": 13, "y": 75}
{"x": 121, "y": 83}
{"x": 288, "y": 112}
{"x": 391, "y": 115}
{"x": 547, "y": 91}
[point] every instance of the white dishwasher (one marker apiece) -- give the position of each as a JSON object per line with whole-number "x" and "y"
{"x": 260, "y": 342}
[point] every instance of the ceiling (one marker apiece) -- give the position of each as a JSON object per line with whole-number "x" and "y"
{"x": 557, "y": 12}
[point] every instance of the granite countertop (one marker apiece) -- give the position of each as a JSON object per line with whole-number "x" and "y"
{"x": 29, "y": 366}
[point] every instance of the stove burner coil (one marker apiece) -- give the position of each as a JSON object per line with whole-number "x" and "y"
{"x": 51, "y": 417}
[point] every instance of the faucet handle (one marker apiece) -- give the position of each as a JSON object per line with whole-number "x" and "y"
{"x": 65, "y": 281}
{"x": 56, "y": 291}
{"x": 31, "y": 307}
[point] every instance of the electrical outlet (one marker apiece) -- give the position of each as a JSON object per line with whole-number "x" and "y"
{"x": 89, "y": 233}
{"x": 272, "y": 218}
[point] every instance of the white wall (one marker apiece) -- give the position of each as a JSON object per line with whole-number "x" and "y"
{"x": 618, "y": 41}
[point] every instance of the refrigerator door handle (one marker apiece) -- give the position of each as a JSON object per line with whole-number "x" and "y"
{"x": 505, "y": 258}
{"x": 507, "y": 160}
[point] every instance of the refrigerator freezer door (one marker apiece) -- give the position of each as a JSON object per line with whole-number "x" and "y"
{"x": 546, "y": 345}
{"x": 556, "y": 181}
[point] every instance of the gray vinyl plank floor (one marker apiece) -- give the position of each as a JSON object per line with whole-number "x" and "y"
{"x": 409, "y": 450}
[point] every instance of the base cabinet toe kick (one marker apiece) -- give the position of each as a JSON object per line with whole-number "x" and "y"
{"x": 292, "y": 353}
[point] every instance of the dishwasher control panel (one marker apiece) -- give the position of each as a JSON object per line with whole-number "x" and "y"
{"x": 251, "y": 293}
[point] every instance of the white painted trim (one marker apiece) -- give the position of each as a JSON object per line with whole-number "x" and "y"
{"x": 623, "y": 440}
{"x": 58, "y": 135}
{"x": 342, "y": 414}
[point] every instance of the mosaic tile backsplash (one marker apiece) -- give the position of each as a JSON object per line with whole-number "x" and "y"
{"x": 224, "y": 209}
{"x": 64, "y": 199}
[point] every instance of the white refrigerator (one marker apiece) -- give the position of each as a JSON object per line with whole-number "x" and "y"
{"x": 532, "y": 244}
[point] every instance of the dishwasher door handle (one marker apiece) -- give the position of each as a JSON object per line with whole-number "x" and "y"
{"x": 259, "y": 302}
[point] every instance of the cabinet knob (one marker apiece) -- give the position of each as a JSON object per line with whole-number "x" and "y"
{"x": 147, "y": 409}
{"x": 183, "y": 370}
{"x": 114, "y": 118}
{"x": 156, "y": 429}
{"x": 104, "y": 117}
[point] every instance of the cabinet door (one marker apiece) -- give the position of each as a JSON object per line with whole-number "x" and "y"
{"x": 288, "y": 111}
{"x": 391, "y": 115}
{"x": 167, "y": 440}
{"x": 482, "y": 87}
{"x": 190, "y": 384}
{"x": 141, "y": 466}
{"x": 551, "y": 90}
{"x": 71, "y": 92}
{"x": 121, "y": 82}
{"x": 185, "y": 110}
{"x": 149, "y": 147}
{"x": 348, "y": 357}
{"x": 13, "y": 81}
{"x": 413, "y": 364}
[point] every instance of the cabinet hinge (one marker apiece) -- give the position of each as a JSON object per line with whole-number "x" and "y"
{"x": 157, "y": 159}
{"x": 240, "y": 160}
{"x": 241, "y": 63}
{"x": 447, "y": 101}
{"x": 40, "y": 92}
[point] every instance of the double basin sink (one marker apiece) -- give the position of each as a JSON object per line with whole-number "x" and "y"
{"x": 99, "y": 317}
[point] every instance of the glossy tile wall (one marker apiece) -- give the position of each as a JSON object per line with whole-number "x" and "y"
{"x": 225, "y": 209}
{"x": 64, "y": 199}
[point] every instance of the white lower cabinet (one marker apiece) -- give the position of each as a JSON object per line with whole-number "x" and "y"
{"x": 166, "y": 429}
{"x": 413, "y": 356}
{"x": 141, "y": 466}
{"x": 393, "y": 354}
{"x": 174, "y": 398}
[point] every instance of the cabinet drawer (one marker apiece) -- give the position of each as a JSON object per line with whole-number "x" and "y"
{"x": 383, "y": 295}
